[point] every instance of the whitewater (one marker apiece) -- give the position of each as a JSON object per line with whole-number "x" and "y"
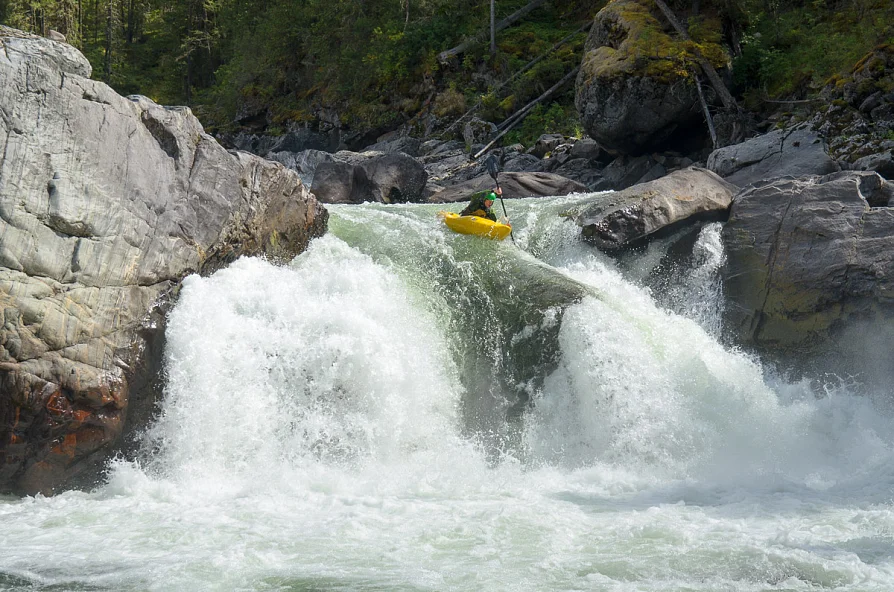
{"x": 405, "y": 409}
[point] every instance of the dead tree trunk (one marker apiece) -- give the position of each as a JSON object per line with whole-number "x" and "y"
{"x": 524, "y": 69}
{"x": 520, "y": 114}
{"x": 445, "y": 56}
{"x": 708, "y": 118}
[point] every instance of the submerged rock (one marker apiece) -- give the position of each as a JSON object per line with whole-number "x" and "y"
{"x": 106, "y": 203}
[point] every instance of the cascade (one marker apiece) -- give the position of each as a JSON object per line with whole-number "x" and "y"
{"x": 402, "y": 408}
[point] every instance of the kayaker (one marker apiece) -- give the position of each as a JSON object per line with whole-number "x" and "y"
{"x": 481, "y": 203}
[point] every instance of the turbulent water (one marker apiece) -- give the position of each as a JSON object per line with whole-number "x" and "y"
{"x": 404, "y": 409}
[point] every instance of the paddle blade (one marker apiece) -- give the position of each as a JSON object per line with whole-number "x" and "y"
{"x": 492, "y": 167}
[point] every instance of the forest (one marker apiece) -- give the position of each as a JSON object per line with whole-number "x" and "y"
{"x": 265, "y": 65}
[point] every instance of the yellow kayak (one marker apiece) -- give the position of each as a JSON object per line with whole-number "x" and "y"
{"x": 475, "y": 225}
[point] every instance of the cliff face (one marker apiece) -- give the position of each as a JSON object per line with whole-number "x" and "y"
{"x": 106, "y": 203}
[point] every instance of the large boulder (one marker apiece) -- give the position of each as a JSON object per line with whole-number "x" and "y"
{"x": 369, "y": 176}
{"x": 106, "y": 203}
{"x": 632, "y": 94}
{"x": 808, "y": 256}
{"x": 514, "y": 185}
{"x": 627, "y": 218}
{"x": 792, "y": 152}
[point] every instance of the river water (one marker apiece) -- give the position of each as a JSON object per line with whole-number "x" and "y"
{"x": 352, "y": 421}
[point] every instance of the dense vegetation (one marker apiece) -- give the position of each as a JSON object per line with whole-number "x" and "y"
{"x": 274, "y": 63}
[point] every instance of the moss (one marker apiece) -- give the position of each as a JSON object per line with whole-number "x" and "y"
{"x": 644, "y": 48}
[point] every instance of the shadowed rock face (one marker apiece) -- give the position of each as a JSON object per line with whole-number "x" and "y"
{"x": 105, "y": 204}
{"x": 808, "y": 257}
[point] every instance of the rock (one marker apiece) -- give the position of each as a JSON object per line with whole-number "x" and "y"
{"x": 398, "y": 177}
{"x": 341, "y": 183}
{"x": 55, "y": 36}
{"x": 627, "y": 103}
{"x": 545, "y": 144}
{"x": 626, "y": 171}
{"x": 587, "y": 148}
{"x": 858, "y": 116}
{"x": 360, "y": 177}
{"x": 106, "y": 204}
{"x": 518, "y": 163}
{"x": 478, "y": 131}
{"x": 581, "y": 170}
{"x": 882, "y": 163}
{"x": 793, "y": 152}
{"x": 406, "y": 144}
{"x": 514, "y": 185}
{"x": 629, "y": 217}
{"x": 806, "y": 258}
{"x": 304, "y": 163}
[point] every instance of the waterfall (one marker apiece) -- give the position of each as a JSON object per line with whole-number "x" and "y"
{"x": 403, "y": 408}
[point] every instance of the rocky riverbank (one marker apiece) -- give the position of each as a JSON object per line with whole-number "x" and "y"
{"x": 106, "y": 203}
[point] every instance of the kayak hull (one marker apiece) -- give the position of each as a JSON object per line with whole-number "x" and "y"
{"x": 475, "y": 225}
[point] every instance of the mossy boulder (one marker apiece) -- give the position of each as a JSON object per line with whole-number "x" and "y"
{"x": 636, "y": 88}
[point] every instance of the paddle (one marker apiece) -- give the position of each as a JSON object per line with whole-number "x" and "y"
{"x": 494, "y": 170}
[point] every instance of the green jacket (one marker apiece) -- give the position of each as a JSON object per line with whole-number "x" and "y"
{"x": 476, "y": 207}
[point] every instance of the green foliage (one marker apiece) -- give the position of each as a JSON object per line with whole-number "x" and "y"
{"x": 557, "y": 118}
{"x": 794, "y": 48}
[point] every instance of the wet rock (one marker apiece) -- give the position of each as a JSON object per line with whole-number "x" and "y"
{"x": 808, "y": 257}
{"x": 362, "y": 177}
{"x": 626, "y": 171}
{"x": 628, "y": 218}
{"x": 107, "y": 203}
{"x": 513, "y": 184}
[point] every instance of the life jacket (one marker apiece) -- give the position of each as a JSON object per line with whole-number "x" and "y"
{"x": 476, "y": 207}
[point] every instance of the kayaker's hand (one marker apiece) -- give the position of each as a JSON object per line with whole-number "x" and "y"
{"x": 499, "y": 191}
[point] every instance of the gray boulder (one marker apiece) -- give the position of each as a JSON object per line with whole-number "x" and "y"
{"x": 361, "y": 177}
{"x": 882, "y": 163}
{"x": 587, "y": 148}
{"x": 626, "y": 171}
{"x": 514, "y": 185}
{"x": 105, "y": 204}
{"x": 582, "y": 170}
{"x": 304, "y": 163}
{"x": 807, "y": 257}
{"x": 405, "y": 144}
{"x": 629, "y": 217}
{"x": 793, "y": 152}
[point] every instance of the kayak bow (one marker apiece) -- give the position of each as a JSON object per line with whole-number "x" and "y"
{"x": 475, "y": 225}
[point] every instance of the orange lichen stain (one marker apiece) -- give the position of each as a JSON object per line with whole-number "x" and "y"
{"x": 58, "y": 405}
{"x": 80, "y": 416}
{"x": 66, "y": 447}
